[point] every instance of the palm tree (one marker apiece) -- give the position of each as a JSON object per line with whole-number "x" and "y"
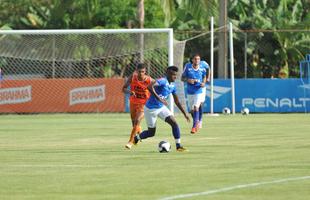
{"x": 141, "y": 25}
{"x": 141, "y": 13}
{"x": 222, "y": 53}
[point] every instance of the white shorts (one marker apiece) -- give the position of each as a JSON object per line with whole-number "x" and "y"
{"x": 203, "y": 94}
{"x": 194, "y": 100}
{"x": 151, "y": 115}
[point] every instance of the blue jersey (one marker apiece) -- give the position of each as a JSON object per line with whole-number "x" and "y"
{"x": 198, "y": 74}
{"x": 204, "y": 64}
{"x": 163, "y": 89}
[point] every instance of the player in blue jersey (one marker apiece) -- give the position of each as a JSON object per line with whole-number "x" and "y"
{"x": 195, "y": 74}
{"x": 205, "y": 65}
{"x": 156, "y": 106}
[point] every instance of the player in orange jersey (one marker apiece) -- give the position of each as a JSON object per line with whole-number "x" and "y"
{"x": 139, "y": 94}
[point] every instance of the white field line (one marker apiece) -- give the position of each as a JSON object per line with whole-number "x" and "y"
{"x": 189, "y": 195}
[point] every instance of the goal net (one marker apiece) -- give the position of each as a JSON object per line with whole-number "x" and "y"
{"x": 200, "y": 43}
{"x": 76, "y": 70}
{"x": 305, "y": 70}
{"x": 305, "y": 78}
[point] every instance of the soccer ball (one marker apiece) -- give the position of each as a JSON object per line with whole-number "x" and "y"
{"x": 164, "y": 147}
{"x": 245, "y": 111}
{"x": 226, "y": 111}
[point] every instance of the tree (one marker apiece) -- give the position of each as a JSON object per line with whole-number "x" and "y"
{"x": 287, "y": 47}
{"x": 188, "y": 14}
{"x": 82, "y": 14}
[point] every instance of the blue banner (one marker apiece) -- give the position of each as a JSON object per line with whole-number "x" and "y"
{"x": 261, "y": 95}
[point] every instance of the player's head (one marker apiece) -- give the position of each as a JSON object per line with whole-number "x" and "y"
{"x": 172, "y": 72}
{"x": 196, "y": 59}
{"x": 141, "y": 70}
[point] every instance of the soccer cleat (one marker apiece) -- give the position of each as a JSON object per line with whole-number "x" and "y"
{"x": 194, "y": 130}
{"x": 181, "y": 149}
{"x": 200, "y": 124}
{"x": 136, "y": 140}
{"x": 128, "y": 145}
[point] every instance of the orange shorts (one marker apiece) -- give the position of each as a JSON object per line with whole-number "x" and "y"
{"x": 135, "y": 109}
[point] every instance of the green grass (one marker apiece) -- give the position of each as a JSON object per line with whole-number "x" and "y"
{"x": 82, "y": 156}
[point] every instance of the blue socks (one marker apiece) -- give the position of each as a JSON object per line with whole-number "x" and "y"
{"x": 145, "y": 134}
{"x": 200, "y": 113}
{"x": 195, "y": 118}
{"x": 176, "y": 132}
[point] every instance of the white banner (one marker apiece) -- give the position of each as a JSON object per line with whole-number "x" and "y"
{"x": 15, "y": 95}
{"x": 87, "y": 95}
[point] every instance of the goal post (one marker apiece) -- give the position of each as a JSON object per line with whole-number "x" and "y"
{"x": 79, "y": 70}
{"x": 207, "y": 45}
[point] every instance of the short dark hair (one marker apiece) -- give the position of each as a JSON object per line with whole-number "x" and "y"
{"x": 194, "y": 55}
{"x": 141, "y": 66}
{"x": 173, "y": 68}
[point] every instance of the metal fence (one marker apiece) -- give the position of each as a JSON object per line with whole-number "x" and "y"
{"x": 257, "y": 53}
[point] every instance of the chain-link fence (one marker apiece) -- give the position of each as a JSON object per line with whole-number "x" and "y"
{"x": 74, "y": 72}
{"x": 257, "y": 53}
{"x": 81, "y": 55}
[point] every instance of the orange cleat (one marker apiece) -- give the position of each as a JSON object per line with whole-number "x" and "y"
{"x": 194, "y": 130}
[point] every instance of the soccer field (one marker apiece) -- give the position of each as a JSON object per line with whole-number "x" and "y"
{"x": 82, "y": 156}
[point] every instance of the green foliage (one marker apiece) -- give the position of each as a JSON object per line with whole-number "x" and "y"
{"x": 154, "y": 15}
{"x": 287, "y": 47}
{"x": 79, "y": 14}
{"x": 188, "y": 14}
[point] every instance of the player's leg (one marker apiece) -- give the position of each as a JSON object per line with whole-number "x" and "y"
{"x": 190, "y": 99}
{"x": 132, "y": 117}
{"x": 168, "y": 117}
{"x": 134, "y": 114}
{"x": 137, "y": 118}
{"x": 195, "y": 119}
{"x": 200, "y": 115}
{"x": 194, "y": 102}
{"x": 150, "y": 118}
{"x": 202, "y": 99}
{"x": 135, "y": 130}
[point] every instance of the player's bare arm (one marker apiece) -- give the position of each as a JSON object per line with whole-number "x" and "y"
{"x": 125, "y": 86}
{"x": 203, "y": 83}
{"x": 153, "y": 81}
{"x": 177, "y": 102}
{"x": 153, "y": 92}
{"x": 208, "y": 76}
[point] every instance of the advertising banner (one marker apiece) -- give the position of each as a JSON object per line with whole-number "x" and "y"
{"x": 261, "y": 95}
{"x": 62, "y": 95}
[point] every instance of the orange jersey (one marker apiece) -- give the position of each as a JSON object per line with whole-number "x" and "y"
{"x": 140, "y": 89}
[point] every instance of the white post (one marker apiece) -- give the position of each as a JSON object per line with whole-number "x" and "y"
{"x": 87, "y": 31}
{"x": 232, "y": 72}
{"x": 245, "y": 55}
{"x": 211, "y": 66}
{"x": 170, "y": 62}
